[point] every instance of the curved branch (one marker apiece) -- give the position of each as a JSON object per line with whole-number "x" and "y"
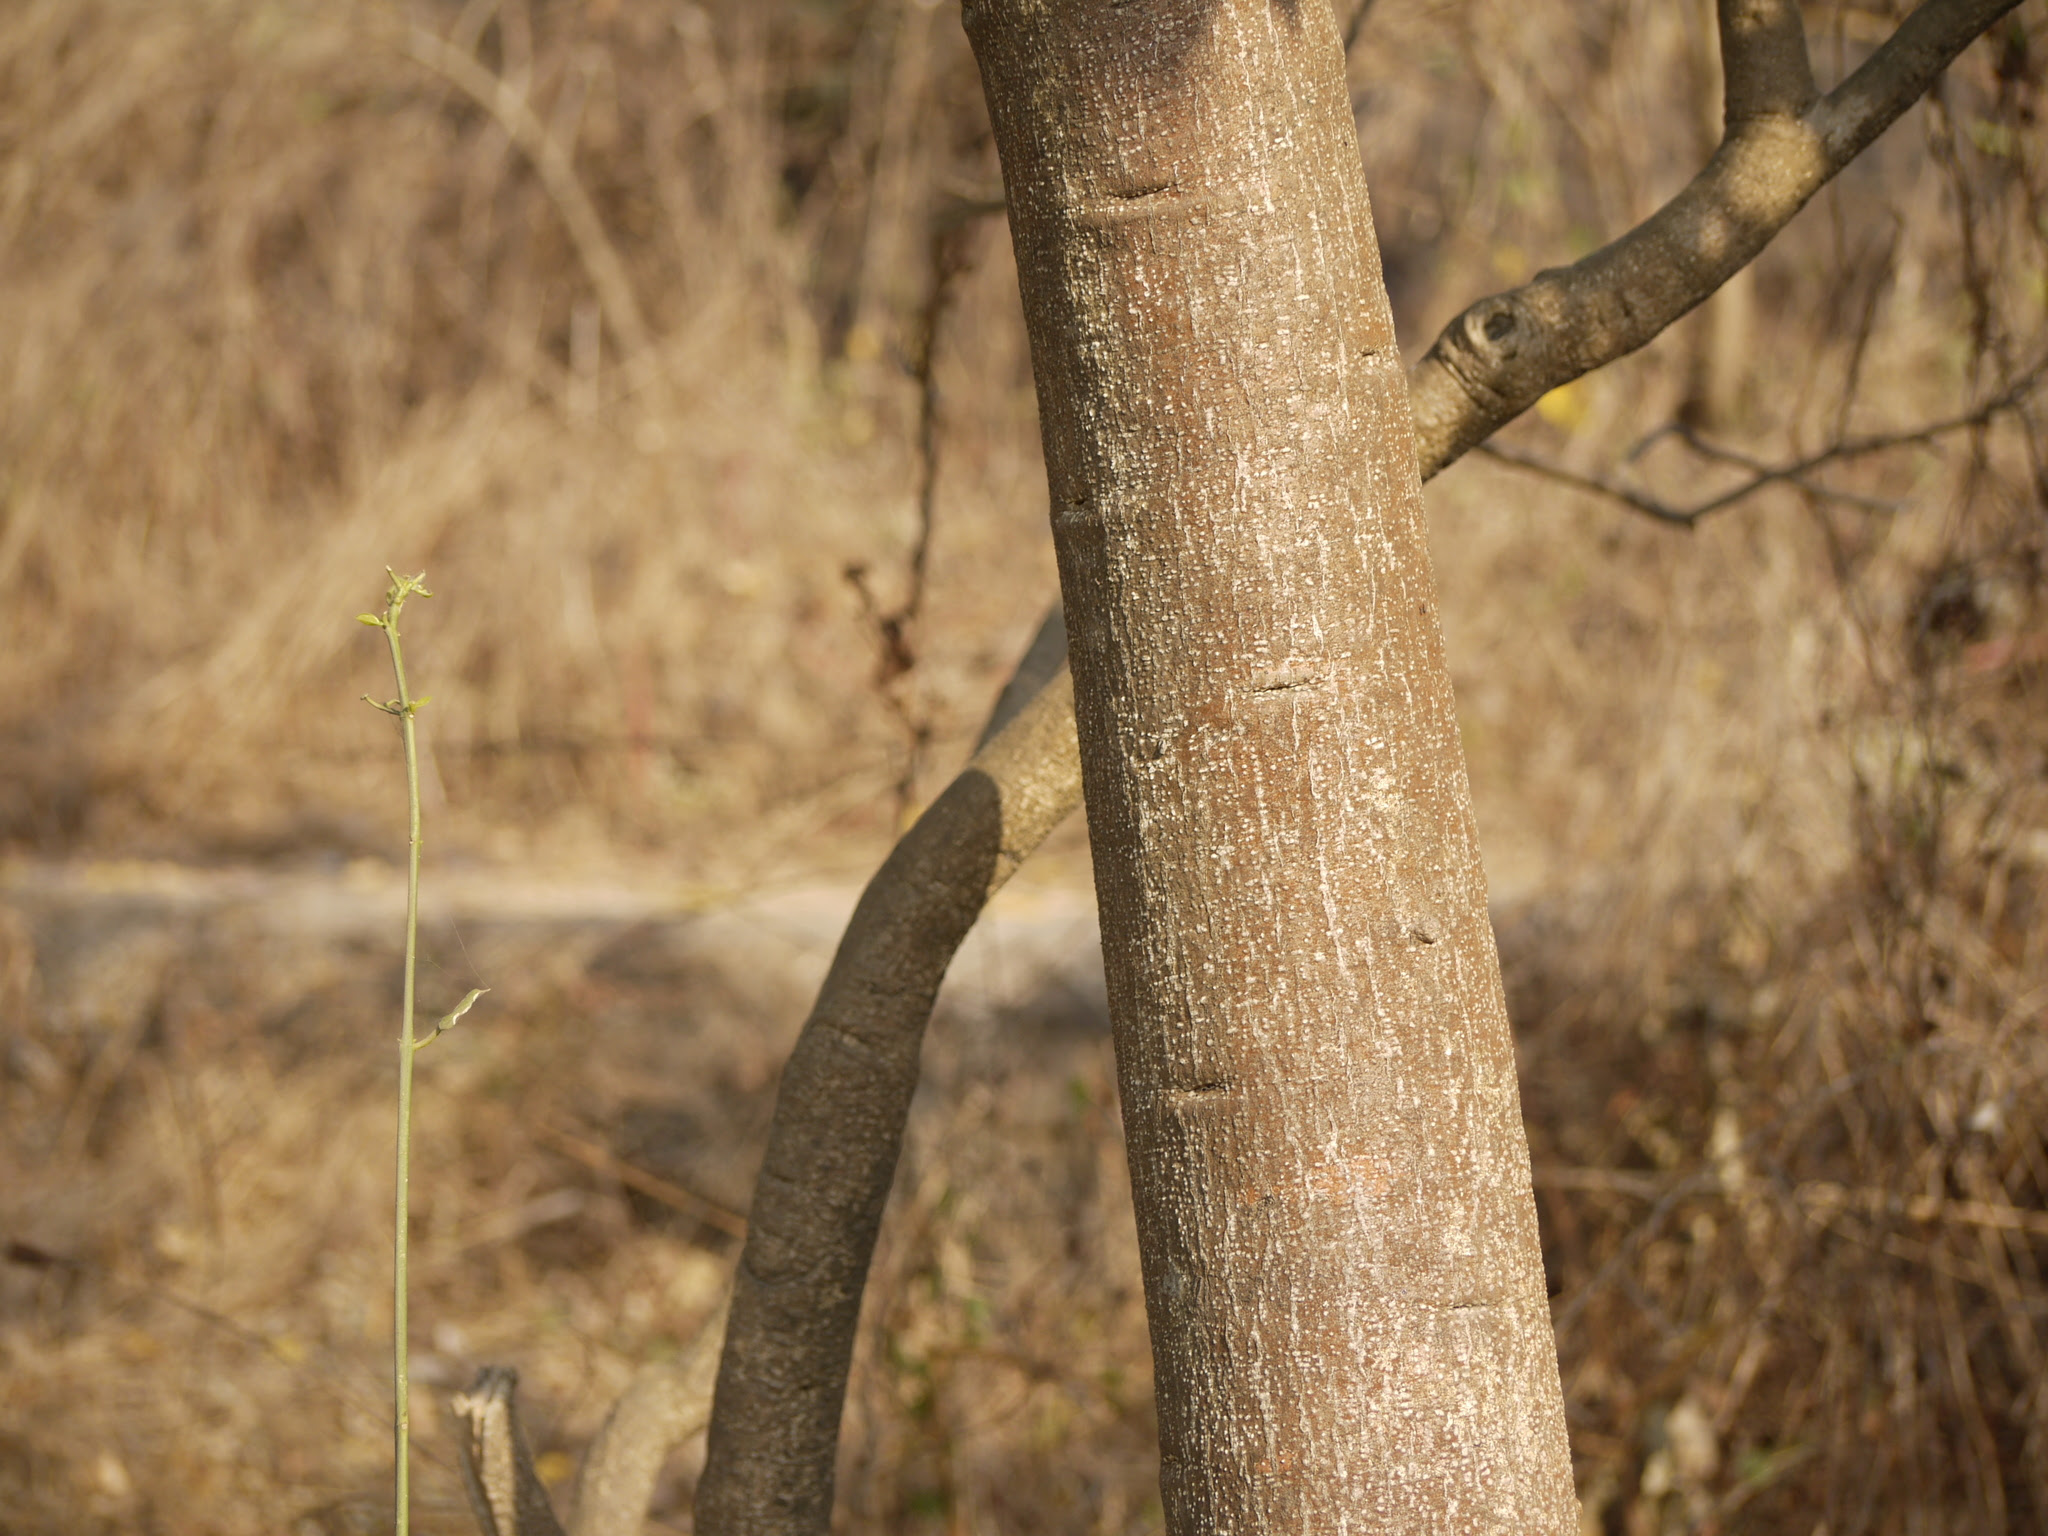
{"x": 839, "y": 1121}
{"x": 1506, "y": 352}
{"x": 846, "y": 1093}
{"x": 1043, "y": 660}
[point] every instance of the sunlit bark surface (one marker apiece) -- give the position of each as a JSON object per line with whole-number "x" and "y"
{"x": 1341, "y": 1261}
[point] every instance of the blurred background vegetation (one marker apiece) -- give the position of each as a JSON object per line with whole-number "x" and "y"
{"x": 663, "y": 336}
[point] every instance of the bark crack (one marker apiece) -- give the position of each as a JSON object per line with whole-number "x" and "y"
{"x": 1288, "y": 680}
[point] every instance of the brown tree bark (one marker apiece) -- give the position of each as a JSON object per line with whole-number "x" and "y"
{"x": 1343, "y": 1278}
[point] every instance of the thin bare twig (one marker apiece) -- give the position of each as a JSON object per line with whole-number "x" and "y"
{"x": 951, "y": 257}
{"x": 896, "y": 628}
{"x": 1605, "y": 1181}
{"x": 1762, "y": 475}
{"x": 1820, "y": 1199}
{"x": 674, "y": 1196}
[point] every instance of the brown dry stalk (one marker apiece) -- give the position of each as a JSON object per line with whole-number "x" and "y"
{"x": 1821, "y": 1198}
{"x": 516, "y": 117}
{"x": 597, "y": 1159}
{"x": 664, "y": 1406}
{"x": 896, "y": 629}
{"x": 505, "y": 1492}
{"x": 839, "y": 1119}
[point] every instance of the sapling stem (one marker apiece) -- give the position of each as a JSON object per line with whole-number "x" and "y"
{"x": 404, "y": 708}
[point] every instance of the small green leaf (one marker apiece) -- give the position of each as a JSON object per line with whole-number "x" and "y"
{"x": 469, "y": 1002}
{"x": 371, "y": 619}
{"x": 448, "y": 1020}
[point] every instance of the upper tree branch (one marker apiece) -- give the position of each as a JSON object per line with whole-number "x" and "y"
{"x": 1782, "y": 145}
{"x": 1765, "y": 71}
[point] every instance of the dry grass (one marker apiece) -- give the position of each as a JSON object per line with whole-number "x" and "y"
{"x": 1765, "y": 806}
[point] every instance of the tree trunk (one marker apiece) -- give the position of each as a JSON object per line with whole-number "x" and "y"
{"x": 1342, "y": 1271}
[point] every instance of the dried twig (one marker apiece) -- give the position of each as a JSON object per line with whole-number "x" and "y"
{"x": 896, "y": 628}
{"x": 951, "y": 257}
{"x": 1604, "y": 1181}
{"x": 597, "y": 1159}
{"x": 1821, "y": 1199}
{"x": 1796, "y": 472}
